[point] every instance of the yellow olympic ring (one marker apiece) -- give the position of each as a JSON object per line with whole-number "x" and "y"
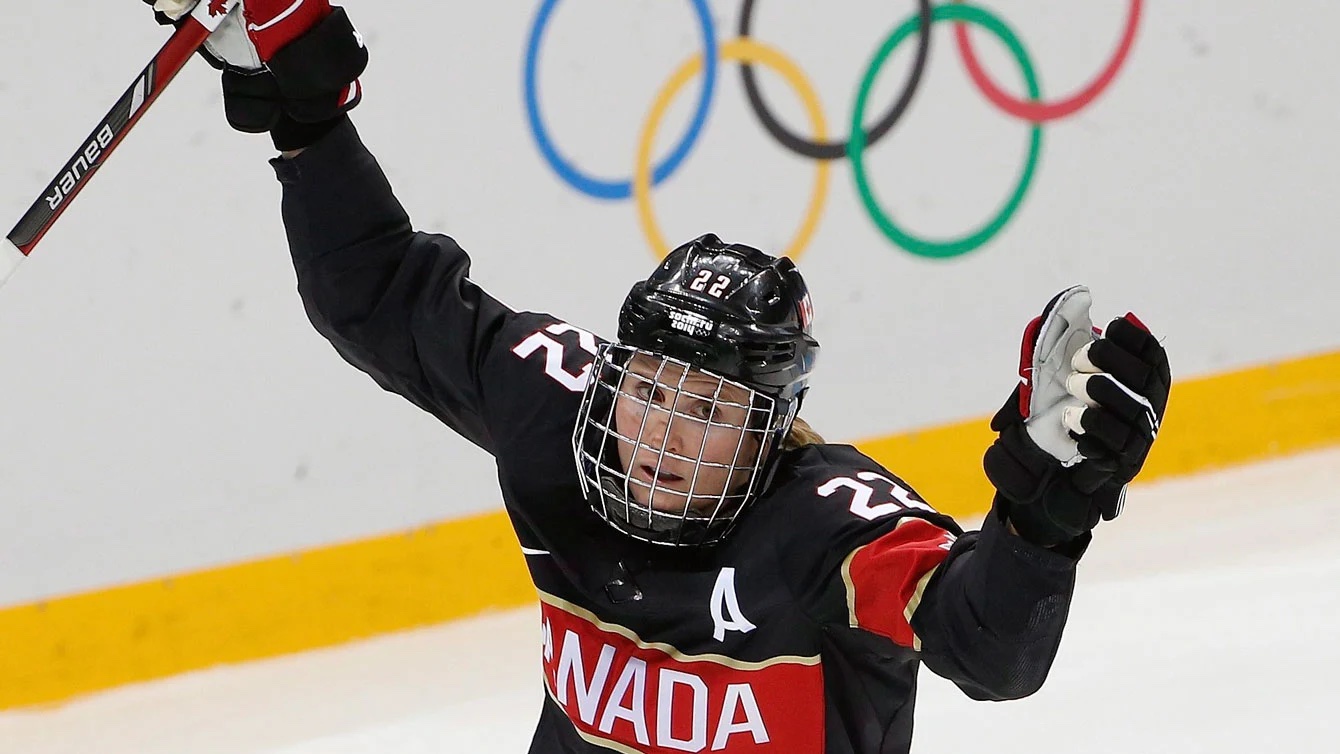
{"x": 742, "y": 51}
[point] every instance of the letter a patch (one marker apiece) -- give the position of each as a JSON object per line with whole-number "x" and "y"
{"x": 726, "y": 615}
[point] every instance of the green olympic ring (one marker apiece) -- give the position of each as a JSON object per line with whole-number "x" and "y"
{"x": 856, "y": 146}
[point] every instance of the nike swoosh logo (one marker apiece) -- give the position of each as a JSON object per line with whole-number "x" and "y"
{"x": 529, "y": 551}
{"x": 287, "y": 12}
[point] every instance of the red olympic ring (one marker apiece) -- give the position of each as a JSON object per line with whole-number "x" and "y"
{"x": 1040, "y": 111}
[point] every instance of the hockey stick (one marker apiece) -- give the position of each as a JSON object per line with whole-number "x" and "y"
{"x": 195, "y": 28}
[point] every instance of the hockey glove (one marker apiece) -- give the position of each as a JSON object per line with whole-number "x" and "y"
{"x": 288, "y": 68}
{"x": 1123, "y": 379}
{"x": 1067, "y": 444}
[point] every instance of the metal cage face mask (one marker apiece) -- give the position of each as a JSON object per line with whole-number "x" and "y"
{"x": 668, "y": 453}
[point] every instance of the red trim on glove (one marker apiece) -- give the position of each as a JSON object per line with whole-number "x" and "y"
{"x": 1130, "y": 317}
{"x": 1026, "y": 349}
{"x": 272, "y": 24}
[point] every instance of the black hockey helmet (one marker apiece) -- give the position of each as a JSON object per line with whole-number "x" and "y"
{"x": 729, "y": 309}
{"x": 731, "y": 313}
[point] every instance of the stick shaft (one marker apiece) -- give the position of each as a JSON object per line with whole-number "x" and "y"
{"x": 109, "y": 133}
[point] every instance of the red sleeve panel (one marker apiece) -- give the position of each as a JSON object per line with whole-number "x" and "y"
{"x": 886, "y": 578}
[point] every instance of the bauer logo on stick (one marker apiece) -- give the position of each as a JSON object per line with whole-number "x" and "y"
{"x": 82, "y": 163}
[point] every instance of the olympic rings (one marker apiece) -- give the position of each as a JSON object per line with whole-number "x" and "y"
{"x": 1037, "y": 111}
{"x": 742, "y": 50}
{"x": 921, "y": 246}
{"x": 827, "y": 151}
{"x": 596, "y": 187}
{"x": 747, "y": 51}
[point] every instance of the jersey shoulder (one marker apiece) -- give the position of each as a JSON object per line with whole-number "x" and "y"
{"x": 827, "y": 494}
{"x": 828, "y": 504}
{"x": 812, "y": 473}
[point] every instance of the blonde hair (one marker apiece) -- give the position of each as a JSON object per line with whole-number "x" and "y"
{"x": 800, "y": 435}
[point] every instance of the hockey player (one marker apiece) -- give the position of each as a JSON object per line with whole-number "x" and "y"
{"x": 712, "y": 575}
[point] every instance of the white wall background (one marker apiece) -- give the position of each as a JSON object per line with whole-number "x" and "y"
{"x": 169, "y": 408}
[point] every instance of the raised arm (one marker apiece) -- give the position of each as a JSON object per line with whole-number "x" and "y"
{"x": 395, "y": 303}
{"x": 987, "y": 609}
{"x": 1072, "y": 436}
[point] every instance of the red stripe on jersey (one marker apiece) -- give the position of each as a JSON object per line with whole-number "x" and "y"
{"x": 885, "y": 578}
{"x": 627, "y": 694}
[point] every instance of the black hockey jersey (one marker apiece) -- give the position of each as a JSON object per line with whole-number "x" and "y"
{"x": 801, "y": 633}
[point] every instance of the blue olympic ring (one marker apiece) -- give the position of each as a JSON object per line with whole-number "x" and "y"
{"x": 617, "y": 189}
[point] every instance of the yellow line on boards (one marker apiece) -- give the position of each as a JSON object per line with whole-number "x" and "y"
{"x": 57, "y": 649}
{"x": 53, "y": 650}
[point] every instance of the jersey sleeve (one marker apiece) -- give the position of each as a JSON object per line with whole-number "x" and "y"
{"x": 982, "y": 609}
{"x": 400, "y": 305}
{"x": 860, "y": 545}
{"x": 991, "y": 617}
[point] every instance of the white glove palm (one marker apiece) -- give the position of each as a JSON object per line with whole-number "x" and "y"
{"x": 230, "y": 45}
{"x": 1061, "y": 334}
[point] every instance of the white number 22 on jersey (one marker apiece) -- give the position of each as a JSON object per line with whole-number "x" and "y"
{"x": 553, "y": 354}
{"x": 863, "y": 494}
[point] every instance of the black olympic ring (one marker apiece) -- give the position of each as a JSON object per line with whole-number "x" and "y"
{"x": 835, "y": 150}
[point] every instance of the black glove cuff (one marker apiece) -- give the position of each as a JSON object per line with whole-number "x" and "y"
{"x": 1038, "y": 495}
{"x": 1037, "y": 531}
{"x": 289, "y": 134}
{"x": 1051, "y": 522}
{"x": 1017, "y": 467}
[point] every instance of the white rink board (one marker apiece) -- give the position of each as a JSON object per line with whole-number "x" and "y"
{"x": 178, "y": 412}
{"x": 1197, "y": 626}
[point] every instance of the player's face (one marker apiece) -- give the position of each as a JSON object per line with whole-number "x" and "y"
{"x": 687, "y": 424}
